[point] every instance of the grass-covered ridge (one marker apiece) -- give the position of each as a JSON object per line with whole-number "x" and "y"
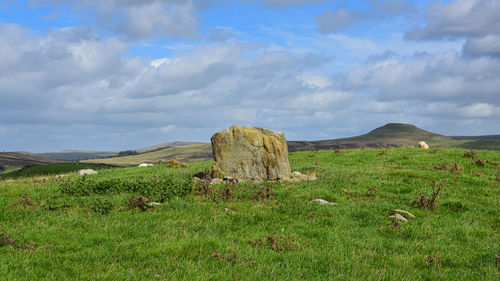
{"x": 51, "y": 169}
{"x": 265, "y": 231}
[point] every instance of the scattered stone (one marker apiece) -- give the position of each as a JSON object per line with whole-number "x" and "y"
{"x": 399, "y": 217}
{"x": 257, "y": 181}
{"x": 227, "y": 210}
{"x": 217, "y": 181}
{"x": 323, "y": 202}
{"x": 403, "y": 212}
{"x": 197, "y": 180}
{"x": 176, "y": 164}
{"x": 145, "y": 165}
{"x": 59, "y": 176}
{"x": 297, "y": 176}
{"x": 86, "y": 172}
{"x": 250, "y": 153}
{"x": 153, "y": 203}
{"x": 312, "y": 178}
{"x": 42, "y": 179}
{"x": 423, "y": 144}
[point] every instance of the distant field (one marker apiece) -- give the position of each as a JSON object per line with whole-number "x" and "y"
{"x": 76, "y": 155}
{"x": 91, "y": 228}
{"x": 14, "y": 160}
{"x": 49, "y": 169}
{"x": 184, "y": 153}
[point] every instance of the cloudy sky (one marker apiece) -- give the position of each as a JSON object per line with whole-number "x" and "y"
{"x": 124, "y": 74}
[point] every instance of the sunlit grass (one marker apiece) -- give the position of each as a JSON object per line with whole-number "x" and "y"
{"x": 246, "y": 236}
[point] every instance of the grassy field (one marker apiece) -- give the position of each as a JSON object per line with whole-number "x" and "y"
{"x": 184, "y": 153}
{"x": 50, "y": 169}
{"x": 89, "y": 228}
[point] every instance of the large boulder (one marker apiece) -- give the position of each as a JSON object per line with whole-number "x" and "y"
{"x": 249, "y": 153}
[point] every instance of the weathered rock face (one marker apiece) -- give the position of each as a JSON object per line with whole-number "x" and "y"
{"x": 249, "y": 153}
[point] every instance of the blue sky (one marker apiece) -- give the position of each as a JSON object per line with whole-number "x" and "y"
{"x": 116, "y": 75}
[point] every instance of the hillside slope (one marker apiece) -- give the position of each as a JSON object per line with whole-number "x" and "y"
{"x": 389, "y": 135}
{"x": 11, "y": 160}
{"x": 184, "y": 153}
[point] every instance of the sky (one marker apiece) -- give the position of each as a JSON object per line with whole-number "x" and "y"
{"x": 124, "y": 74}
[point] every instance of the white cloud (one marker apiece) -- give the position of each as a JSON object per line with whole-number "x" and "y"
{"x": 314, "y": 80}
{"x": 488, "y": 45}
{"x": 333, "y": 20}
{"x": 284, "y": 3}
{"x": 459, "y": 18}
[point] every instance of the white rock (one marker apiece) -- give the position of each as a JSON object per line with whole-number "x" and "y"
{"x": 42, "y": 179}
{"x": 399, "y": 217}
{"x": 145, "y": 165}
{"x": 312, "y": 178}
{"x": 86, "y": 172}
{"x": 423, "y": 144}
{"x": 217, "y": 181}
{"x": 408, "y": 214}
{"x": 153, "y": 203}
{"x": 323, "y": 202}
{"x": 296, "y": 174}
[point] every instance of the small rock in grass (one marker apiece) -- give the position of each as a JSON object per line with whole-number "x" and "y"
{"x": 176, "y": 164}
{"x": 312, "y": 178}
{"x": 145, "y": 165}
{"x": 217, "y": 181}
{"x": 197, "y": 180}
{"x": 399, "y": 217}
{"x": 423, "y": 144}
{"x": 405, "y": 213}
{"x": 323, "y": 202}
{"x": 153, "y": 203}
{"x": 257, "y": 180}
{"x": 42, "y": 179}
{"x": 86, "y": 172}
{"x": 227, "y": 210}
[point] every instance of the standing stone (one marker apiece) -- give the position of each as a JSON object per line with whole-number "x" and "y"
{"x": 249, "y": 153}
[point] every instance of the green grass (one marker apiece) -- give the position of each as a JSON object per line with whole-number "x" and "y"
{"x": 50, "y": 169}
{"x": 482, "y": 144}
{"x": 192, "y": 152}
{"x": 83, "y": 229}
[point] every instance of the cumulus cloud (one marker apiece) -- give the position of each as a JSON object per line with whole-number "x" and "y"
{"x": 333, "y": 20}
{"x": 459, "y": 18}
{"x": 392, "y": 6}
{"x": 485, "y": 46}
{"x": 284, "y": 3}
{"x": 142, "y": 19}
{"x": 430, "y": 78}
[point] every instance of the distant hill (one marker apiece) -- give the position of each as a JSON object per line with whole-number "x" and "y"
{"x": 14, "y": 160}
{"x": 164, "y": 145}
{"x": 486, "y": 137}
{"x": 389, "y": 135}
{"x": 184, "y": 153}
{"x": 396, "y": 135}
{"x": 76, "y": 155}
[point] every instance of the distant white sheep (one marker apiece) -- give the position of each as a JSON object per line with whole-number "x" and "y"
{"x": 423, "y": 145}
{"x": 145, "y": 165}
